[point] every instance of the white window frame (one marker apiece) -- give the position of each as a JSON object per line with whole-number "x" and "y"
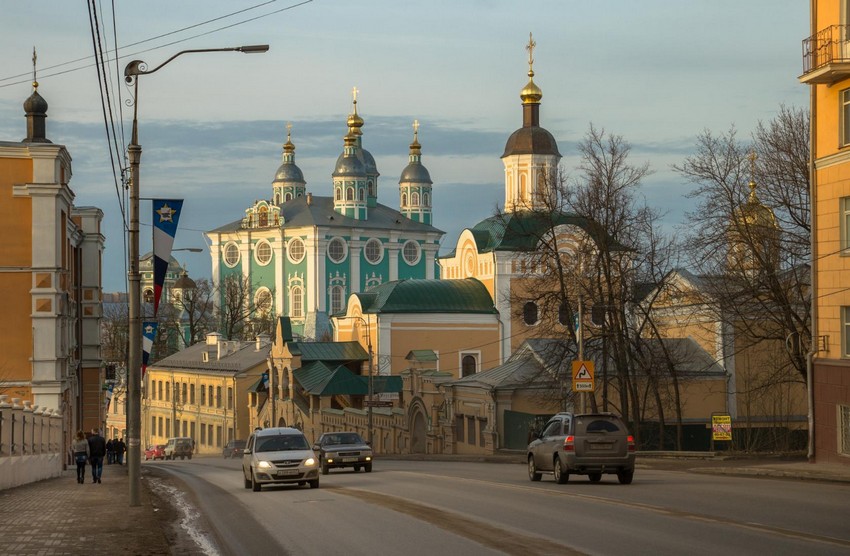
{"x": 299, "y": 313}
{"x": 341, "y": 291}
{"x": 260, "y": 292}
{"x": 344, "y": 250}
{"x": 289, "y": 245}
{"x": 418, "y": 257}
{"x": 373, "y": 241}
{"x": 475, "y": 354}
{"x": 227, "y": 247}
{"x": 845, "y": 332}
{"x": 263, "y": 244}
{"x": 844, "y": 226}
{"x": 844, "y": 115}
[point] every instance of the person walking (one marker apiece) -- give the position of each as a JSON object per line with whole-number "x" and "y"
{"x": 119, "y": 451}
{"x": 110, "y": 452}
{"x": 97, "y": 450}
{"x": 80, "y": 453}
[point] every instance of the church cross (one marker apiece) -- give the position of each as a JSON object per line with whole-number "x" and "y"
{"x": 530, "y": 48}
{"x": 34, "y": 58}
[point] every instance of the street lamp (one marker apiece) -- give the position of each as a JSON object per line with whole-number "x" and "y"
{"x": 131, "y": 75}
{"x": 371, "y": 391}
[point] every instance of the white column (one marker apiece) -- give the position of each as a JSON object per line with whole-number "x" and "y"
{"x": 280, "y": 293}
{"x": 392, "y": 252}
{"x": 354, "y": 249}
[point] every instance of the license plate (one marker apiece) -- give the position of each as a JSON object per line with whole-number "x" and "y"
{"x": 600, "y": 446}
{"x": 348, "y": 460}
{"x": 286, "y": 472}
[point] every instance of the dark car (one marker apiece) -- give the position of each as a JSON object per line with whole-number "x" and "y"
{"x": 233, "y": 449}
{"x": 583, "y": 444}
{"x": 343, "y": 449}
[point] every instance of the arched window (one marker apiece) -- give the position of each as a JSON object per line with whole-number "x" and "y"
{"x": 337, "y": 294}
{"x": 522, "y": 191}
{"x": 529, "y": 313}
{"x": 426, "y": 199}
{"x": 296, "y": 302}
{"x": 264, "y": 217}
{"x": 414, "y": 199}
{"x": 338, "y": 195}
{"x": 349, "y": 194}
{"x": 361, "y": 194}
{"x": 371, "y": 188}
{"x": 288, "y": 197}
{"x": 148, "y": 296}
{"x": 468, "y": 365}
{"x": 404, "y": 199}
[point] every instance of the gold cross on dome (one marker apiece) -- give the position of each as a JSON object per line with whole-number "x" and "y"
{"x": 354, "y": 92}
{"x": 288, "y": 130}
{"x": 415, "y": 128}
{"x": 530, "y": 48}
{"x": 752, "y": 158}
{"x": 34, "y": 58}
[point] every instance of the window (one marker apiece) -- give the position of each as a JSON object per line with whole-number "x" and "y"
{"x": 844, "y": 430}
{"x": 296, "y": 302}
{"x": 159, "y": 427}
{"x": 210, "y": 396}
{"x": 845, "y": 118}
{"x": 371, "y": 188}
{"x": 231, "y": 254}
{"x": 263, "y": 301}
{"x": 414, "y": 199}
{"x": 404, "y": 199}
{"x": 374, "y": 251}
{"x": 554, "y": 429}
{"x": 168, "y": 392}
{"x": 185, "y": 392}
{"x": 263, "y": 253}
{"x": 296, "y": 250}
{"x": 844, "y": 225}
{"x": 218, "y": 436}
{"x": 468, "y": 365}
{"x": 337, "y": 297}
{"x": 410, "y": 252}
{"x": 287, "y": 197}
{"x": 203, "y": 433}
{"x": 338, "y": 195}
{"x": 426, "y": 200}
{"x": 229, "y": 397}
{"x": 148, "y": 296}
{"x": 845, "y": 332}
{"x": 218, "y": 396}
{"x": 349, "y": 194}
{"x": 337, "y": 250}
{"x": 167, "y": 427}
{"x": 361, "y": 194}
{"x": 529, "y": 313}
{"x": 203, "y": 395}
{"x": 482, "y": 424}
{"x": 471, "y": 430}
{"x": 459, "y": 424}
{"x": 192, "y": 394}
{"x": 160, "y": 390}
{"x": 264, "y": 217}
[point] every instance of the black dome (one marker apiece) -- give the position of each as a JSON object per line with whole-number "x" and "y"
{"x": 531, "y": 140}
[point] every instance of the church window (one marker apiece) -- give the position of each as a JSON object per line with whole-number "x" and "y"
{"x": 148, "y": 296}
{"x": 426, "y": 199}
{"x": 337, "y": 296}
{"x": 361, "y": 194}
{"x": 529, "y": 313}
{"x": 374, "y": 251}
{"x": 414, "y": 199}
{"x": 410, "y": 252}
{"x": 296, "y": 250}
{"x": 263, "y": 301}
{"x": 522, "y": 187}
{"x": 349, "y": 194}
{"x": 337, "y": 250}
{"x": 404, "y": 199}
{"x": 338, "y": 194}
{"x": 231, "y": 254}
{"x": 264, "y": 217}
{"x": 296, "y": 302}
{"x": 371, "y": 188}
{"x": 288, "y": 197}
{"x": 263, "y": 253}
{"x": 468, "y": 365}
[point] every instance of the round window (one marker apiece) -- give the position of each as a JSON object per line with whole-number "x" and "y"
{"x": 296, "y": 250}
{"x": 263, "y": 252}
{"x": 411, "y": 252}
{"x": 263, "y": 300}
{"x": 336, "y": 250}
{"x": 231, "y": 254}
{"x": 374, "y": 251}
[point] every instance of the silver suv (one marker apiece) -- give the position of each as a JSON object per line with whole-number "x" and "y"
{"x": 583, "y": 444}
{"x": 279, "y": 456}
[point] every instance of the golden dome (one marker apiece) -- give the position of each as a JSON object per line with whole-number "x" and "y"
{"x": 754, "y": 213}
{"x": 355, "y": 122}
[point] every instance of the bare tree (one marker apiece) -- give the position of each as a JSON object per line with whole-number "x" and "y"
{"x": 241, "y": 316}
{"x": 196, "y": 308}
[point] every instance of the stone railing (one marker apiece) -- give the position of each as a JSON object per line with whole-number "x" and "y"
{"x": 30, "y": 443}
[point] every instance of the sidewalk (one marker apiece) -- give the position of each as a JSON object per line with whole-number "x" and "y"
{"x": 60, "y": 516}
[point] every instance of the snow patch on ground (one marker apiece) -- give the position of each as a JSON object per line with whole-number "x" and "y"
{"x": 190, "y": 518}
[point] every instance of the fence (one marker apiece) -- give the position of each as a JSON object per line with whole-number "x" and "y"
{"x": 30, "y": 443}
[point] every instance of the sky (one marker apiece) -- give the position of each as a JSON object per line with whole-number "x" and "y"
{"x": 211, "y": 126}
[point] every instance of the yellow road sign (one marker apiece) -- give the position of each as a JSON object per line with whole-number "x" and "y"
{"x": 583, "y": 376}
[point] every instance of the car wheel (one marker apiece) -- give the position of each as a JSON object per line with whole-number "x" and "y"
{"x": 368, "y": 467}
{"x": 533, "y": 475}
{"x": 182, "y": 457}
{"x": 325, "y": 468}
{"x": 626, "y": 477}
{"x": 356, "y": 468}
{"x": 302, "y": 483}
{"x": 594, "y": 477}
{"x": 314, "y": 483}
{"x": 190, "y": 456}
{"x": 255, "y": 486}
{"x": 561, "y": 475}
{"x": 146, "y": 457}
{"x": 247, "y": 481}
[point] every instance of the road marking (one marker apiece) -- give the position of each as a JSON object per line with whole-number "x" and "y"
{"x": 749, "y": 525}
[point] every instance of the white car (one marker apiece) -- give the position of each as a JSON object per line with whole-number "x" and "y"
{"x": 279, "y": 455}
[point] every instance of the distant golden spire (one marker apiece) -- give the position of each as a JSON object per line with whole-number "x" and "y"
{"x": 355, "y": 122}
{"x": 34, "y": 81}
{"x": 531, "y": 93}
{"x": 415, "y": 147}
{"x": 289, "y": 146}
{"x": 752, "y": 158}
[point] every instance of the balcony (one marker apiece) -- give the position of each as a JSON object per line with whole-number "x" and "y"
{"x": 826, "y": 56}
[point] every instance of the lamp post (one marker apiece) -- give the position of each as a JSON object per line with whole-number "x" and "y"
{"x": 371, "y": 391}
{"x": 131, "y": 75}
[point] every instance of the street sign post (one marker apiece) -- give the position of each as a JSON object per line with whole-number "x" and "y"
{"x": 583, "y": 376}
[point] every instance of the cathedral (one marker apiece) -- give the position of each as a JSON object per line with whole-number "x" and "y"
{"x": 304, "y": 254}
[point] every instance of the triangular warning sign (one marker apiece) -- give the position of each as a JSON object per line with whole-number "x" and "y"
{"x": 583, "y": 374}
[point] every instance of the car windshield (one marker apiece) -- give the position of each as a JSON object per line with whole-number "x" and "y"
{"x": 350, "y": 438}
{"x": 281, "y": 443}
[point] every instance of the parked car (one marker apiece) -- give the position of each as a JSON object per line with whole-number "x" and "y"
{"x": 343, "y": 449}
{"x": 233, "y": 449}
{"x": 583, "y": 444}
{"x": 155, "y": 452}
{"x": 179, "y": 447}
{"x": 279, "y": 455}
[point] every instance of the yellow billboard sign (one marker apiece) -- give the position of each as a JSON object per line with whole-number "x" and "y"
{"x": 721, "y": 427}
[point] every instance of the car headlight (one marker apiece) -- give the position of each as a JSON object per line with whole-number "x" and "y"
{"x": 264, "y": 465}
{"x": 368, "y": 458}
{"x": 310, "y": 462}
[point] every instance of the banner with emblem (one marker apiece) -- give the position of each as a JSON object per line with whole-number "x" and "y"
{"x": 166, "y": 213}
{"x": 148, "y": 336}
{"x": 107, "y": 398}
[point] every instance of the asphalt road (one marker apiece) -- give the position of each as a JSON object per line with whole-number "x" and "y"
{"x": 427, "y": 507}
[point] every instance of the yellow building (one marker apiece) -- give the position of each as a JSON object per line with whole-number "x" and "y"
{"x": 200, "y": 392}
{"x": 50, "y": 278}
{"x": 826, "y": 68}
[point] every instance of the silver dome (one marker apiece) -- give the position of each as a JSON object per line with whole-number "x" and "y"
{"x": 289, "y": 173}
{"x": 349, "y": 166}
{"x": 415, "y": 173}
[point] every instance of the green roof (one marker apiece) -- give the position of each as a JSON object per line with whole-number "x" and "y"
{"x": 384, "y": 383}
{"x": 428, "y": 296}
{"x": 329, "y": 351}
{"x": 320, "y": 380}
{"x": 422, "y": 355}
{"x": 522, "y": 231}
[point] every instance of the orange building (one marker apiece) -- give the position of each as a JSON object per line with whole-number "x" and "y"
{"x": 50, "y": 278}
{"x": 826, "y": 69}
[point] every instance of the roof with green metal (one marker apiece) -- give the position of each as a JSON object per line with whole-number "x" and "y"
{"x": 428, "y": 296}
{"x": 329, "y": 351}
{"x": 422, "y": 355}
{"x": 321, "y": 380}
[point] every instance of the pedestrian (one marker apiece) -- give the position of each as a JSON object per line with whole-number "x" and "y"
{"x": 80, "y": 453}
{"x": 97, "y": 450}
{"x": 110, "y": 452}
{"x": 119, "y": 451}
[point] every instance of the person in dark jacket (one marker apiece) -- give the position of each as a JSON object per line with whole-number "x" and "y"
{"x": 110, "y": 452}
{"x": 119, "y": 448}
{"x": 97, "y": 450}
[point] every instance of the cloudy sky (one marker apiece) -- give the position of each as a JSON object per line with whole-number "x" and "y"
{"x": 657, "y": 72}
